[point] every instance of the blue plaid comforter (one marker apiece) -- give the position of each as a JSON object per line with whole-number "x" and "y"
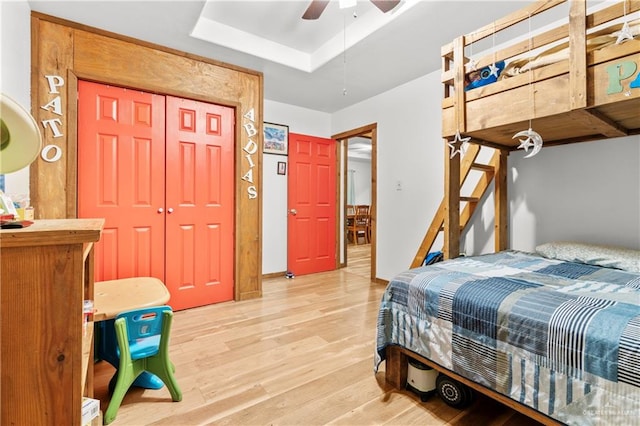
{"x": 560, "y": 337}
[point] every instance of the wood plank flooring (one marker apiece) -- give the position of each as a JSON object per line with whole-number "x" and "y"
{"x": 300, "y": 355}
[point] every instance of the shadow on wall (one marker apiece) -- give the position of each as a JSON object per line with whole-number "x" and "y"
{"x": 573, "y": 192}
{"x": 359, "y": 173}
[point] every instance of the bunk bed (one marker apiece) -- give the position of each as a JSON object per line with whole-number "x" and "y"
{"x": 578, "y": 81}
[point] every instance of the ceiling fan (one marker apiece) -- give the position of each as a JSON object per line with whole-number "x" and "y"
{"x": 316, "y": 7}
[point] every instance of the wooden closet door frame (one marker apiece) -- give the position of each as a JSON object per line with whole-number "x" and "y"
{"x": 74, "y": 51}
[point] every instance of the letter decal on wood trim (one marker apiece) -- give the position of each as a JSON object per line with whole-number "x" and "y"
{"x": 250, "y": 148}
{"x": 55, "y": 124}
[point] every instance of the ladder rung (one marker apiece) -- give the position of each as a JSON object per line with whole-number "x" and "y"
{"x": 442, "y": 229}
{"x": 483, "y": 167}
{"x": 470, "y": 199}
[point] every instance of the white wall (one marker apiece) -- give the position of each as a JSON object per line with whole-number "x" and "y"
{"x": 409, "y": 151}
{"x": 15, "y": 71}
{"x": 589, "y": 192}
{"x": 361, "y": 179}
{"x": 274, "y": 201}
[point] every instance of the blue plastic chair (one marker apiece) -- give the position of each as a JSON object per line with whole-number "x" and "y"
{"x": 143, "y": 343}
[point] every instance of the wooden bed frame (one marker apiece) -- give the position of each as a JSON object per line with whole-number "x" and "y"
{"x": 572, "y": 104}
{"x": 396, "y": 365}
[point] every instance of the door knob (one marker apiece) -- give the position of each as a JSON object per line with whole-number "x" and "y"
{"x": 293, "y": 212}
{"x": 169, "y": 210}
{"x": 160, "y": 210}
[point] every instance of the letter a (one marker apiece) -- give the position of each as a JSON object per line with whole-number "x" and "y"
{"x": 55, "y": 106}
{"x": 250, "y": 115}
{"x": 248, "y": 176}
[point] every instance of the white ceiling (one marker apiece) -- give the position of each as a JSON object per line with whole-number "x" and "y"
{"x": 304, "y": 62}
{"x": 359, "y": 148}
{"x": 302, "y": 44}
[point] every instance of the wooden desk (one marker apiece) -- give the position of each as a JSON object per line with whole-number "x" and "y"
{"x": 115, "y": 296}
{"x": 46, "y": 362}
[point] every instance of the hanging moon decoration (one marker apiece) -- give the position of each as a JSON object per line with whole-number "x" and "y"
{"x": 532, "y": 139}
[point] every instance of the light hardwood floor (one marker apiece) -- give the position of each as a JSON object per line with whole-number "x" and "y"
{"x": 300, "y": 355}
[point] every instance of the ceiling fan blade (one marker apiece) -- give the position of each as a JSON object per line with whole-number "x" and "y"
{"x": 385, "y": 5}
{"x": 315, "y": 9}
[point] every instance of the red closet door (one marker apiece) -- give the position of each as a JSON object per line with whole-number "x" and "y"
{"x": 121, "y": 148}
{"x": 163, "y": 178}
{"x": 199, "y": 203}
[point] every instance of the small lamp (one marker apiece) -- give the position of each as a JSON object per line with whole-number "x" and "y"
{"x": 20, "y": 137}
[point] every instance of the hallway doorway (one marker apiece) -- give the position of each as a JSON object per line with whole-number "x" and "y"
{"x": 357, "y": 138}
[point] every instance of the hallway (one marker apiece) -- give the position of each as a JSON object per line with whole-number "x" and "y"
{"x": 359, "y": 259}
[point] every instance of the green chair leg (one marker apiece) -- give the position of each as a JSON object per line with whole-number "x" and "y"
{"x": 155, "y": 361}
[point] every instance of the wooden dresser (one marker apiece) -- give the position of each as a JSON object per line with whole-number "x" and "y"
{"x": 46, "y": 353}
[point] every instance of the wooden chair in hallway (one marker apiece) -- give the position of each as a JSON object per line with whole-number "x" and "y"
{"x": 349, "y": 218}
{"x": 359, "y": 226}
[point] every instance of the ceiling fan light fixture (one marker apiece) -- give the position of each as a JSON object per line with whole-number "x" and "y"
{"x": 316, "y": 7}
{"x": 345, "y": 4}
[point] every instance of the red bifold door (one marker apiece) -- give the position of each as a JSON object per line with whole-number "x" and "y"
{"x": 160, "y": 170}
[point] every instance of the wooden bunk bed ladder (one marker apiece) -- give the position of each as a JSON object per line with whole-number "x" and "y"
{"x": 469, "y": 162}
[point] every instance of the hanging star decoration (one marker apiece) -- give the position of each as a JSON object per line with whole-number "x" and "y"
{"x": 624, "y": 34}
{"x": 471, "y": 65}
{"x": 532, "y": 139}
{"x": 458, "y": 144}
{"x": 494, "y": 70}
{"x": 525, "y": 144}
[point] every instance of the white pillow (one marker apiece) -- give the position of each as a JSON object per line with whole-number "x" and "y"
{"x": 592, "y": 254}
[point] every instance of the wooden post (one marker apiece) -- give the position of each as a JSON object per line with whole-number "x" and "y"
{"x": 458, "y": 84}
{"x": 451, "y": 205}
{"x": 452, "y": 165}
{"x": 501, "y": 231}
{"x": 396, "y": 366}
{"x": 577, "y": 55}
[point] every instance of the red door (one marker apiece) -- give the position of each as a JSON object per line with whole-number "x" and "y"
{"x": 121, "y": 148}
{"x": 311, "y": 226}
{"x": 163, "y": 178}
{"x": 200, "y": 202}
